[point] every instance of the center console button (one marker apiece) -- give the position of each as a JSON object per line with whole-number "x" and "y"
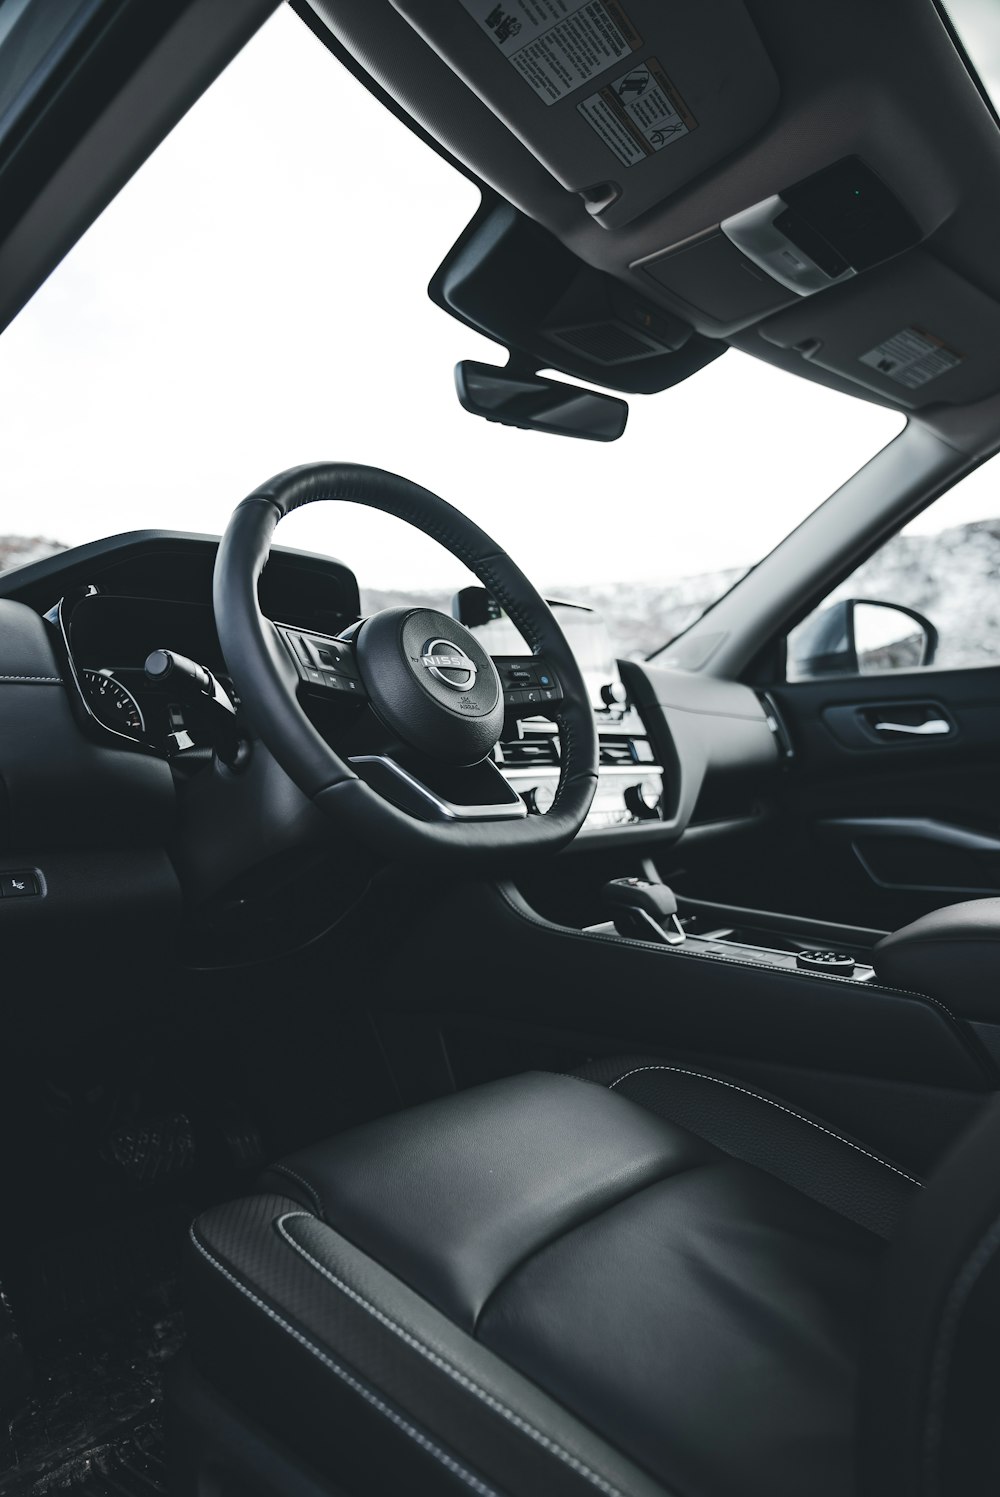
{"x": 643, "y": 800}
{"x": 833, "y": 963}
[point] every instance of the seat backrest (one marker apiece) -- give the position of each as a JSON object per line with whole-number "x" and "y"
{"x": 930, "y": 1391}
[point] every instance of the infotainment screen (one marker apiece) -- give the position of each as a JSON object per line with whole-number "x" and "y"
{"x": 584, "y": 628}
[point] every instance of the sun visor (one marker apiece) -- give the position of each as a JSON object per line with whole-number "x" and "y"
{"x": 623, "y": 101}
{"x": 915, "y": 331}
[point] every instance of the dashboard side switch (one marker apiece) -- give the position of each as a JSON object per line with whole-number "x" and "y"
{"x": 18, "y": 885}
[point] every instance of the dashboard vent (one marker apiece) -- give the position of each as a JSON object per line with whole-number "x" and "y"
{"x": 533, "y": 751}
{"x": 616, "y": 751}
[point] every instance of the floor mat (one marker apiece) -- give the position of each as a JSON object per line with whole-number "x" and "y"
{"x": 131, "y": 1465}
{"x": 100, "y": 1320}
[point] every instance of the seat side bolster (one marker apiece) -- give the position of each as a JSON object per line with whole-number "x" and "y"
{"x": 763, "y": 1130}
{"x": 292, "y": 1319}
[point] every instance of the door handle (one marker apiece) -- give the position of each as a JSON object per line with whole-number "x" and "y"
{"x": 934, "y": 727}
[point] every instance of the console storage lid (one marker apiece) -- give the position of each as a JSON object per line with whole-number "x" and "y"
{"x": 952, "y": 954}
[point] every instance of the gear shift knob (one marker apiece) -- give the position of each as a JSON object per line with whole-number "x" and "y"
{"x": 644, "y": 909}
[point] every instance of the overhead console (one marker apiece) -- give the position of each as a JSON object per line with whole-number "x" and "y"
{"x": 515, "y": 282}
{"x": 824, "y": 230}
{"x": 812, "y": 235}
{"x": 623, "y": 101}
{"x": 662, "y": 182}
{"x": 809, "y": 236}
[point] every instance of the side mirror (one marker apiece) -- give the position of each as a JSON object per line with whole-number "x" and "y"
{"x": 860, "y": 636}
{"x": 537, "y": 404}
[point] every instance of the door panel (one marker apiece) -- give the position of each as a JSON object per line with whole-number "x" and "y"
{"x": 890, "y": 805}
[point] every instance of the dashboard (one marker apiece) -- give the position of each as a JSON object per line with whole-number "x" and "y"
{"x": 107, "y": 640}
{"x": 116, "y": 602}
{"x": 115, "y": 792}
{"x": 676, "y": 748}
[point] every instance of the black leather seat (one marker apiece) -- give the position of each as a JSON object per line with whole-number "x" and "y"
{"x": 646, "y": 1280}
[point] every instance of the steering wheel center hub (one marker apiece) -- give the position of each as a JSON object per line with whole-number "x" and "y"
{"x": 431, "y": 683}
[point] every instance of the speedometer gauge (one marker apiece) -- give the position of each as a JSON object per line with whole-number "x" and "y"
{"x": 112, "y": 705}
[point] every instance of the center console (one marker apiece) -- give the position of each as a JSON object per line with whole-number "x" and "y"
{"x": 630, "y": 786}
{"x": 645, "y": 909}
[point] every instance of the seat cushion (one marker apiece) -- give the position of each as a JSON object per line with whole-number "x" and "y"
{"x": 540, "y": 1285}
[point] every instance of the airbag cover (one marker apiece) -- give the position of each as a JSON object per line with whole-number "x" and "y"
{"x": 432, "y": 683}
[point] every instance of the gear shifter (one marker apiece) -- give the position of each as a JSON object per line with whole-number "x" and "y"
{"x": 645, "y": 910}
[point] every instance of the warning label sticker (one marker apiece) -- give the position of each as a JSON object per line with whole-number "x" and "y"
{"x": 639, "y": 113}
{"x": 912, "y": 358}
{"x": 557, "y": 45}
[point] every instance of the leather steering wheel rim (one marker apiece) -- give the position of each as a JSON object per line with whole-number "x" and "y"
{"x": 266, "y": 678}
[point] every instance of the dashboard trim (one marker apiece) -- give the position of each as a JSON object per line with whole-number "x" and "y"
{"x": 446, "y": 810}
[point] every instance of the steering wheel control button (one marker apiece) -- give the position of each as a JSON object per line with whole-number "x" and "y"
{"x": 833, "y": 963}
{"x": 18, "y": 885}
{"x": 526, "y": 680}
{"x": 324, "y": 663}
{"x": 331, "y": 655}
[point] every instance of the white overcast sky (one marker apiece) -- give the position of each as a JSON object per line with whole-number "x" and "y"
{"x": 256, "y": 298}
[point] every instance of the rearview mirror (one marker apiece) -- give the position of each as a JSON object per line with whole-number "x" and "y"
{"x": 860, "y": 636}
{"x": 537, "y": 404}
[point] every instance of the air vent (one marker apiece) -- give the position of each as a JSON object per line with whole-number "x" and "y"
{"x": 606, "y": 342}
{"x": 616, "y": 751}
{"x": 533, "y": 751}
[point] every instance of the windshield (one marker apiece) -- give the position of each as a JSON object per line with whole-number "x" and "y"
{"x": 977, "y": 23}
{"x": 256, "y": 298}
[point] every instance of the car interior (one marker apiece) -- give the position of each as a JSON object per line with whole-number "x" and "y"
{"x": 441, "y": 1056}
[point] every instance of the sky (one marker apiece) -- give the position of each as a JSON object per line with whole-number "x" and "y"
{"x": 256, "y": 297}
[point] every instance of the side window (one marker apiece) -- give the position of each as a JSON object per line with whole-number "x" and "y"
{"x": 930, "y": 597}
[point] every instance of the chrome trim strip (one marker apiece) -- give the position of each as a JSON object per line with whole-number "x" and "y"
{"x": 522, "y": 771}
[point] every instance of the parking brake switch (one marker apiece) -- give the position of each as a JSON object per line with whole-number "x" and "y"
{"x": 644, "y": 910}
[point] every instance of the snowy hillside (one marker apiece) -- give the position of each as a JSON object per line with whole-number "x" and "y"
{"x": 640, "y": 615}
{"x": 18, "y": 550}
{"x": 952, "y": 577}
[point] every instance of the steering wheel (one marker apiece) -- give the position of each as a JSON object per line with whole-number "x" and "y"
{"x": 415, "y": 775}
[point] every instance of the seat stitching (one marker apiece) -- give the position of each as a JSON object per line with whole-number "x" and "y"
{"x": 759, "y": 1097}
{"x": 964, "y": 1283}
{"x": 356, "y": 1386}
{"x": 443, "y": 1365}
{"x": 310, "y": 1190}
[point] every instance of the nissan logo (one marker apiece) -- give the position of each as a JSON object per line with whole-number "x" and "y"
{"x": 449, "y": 664}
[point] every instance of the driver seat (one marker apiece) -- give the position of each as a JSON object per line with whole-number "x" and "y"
{"x": 637, "y": 1281}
